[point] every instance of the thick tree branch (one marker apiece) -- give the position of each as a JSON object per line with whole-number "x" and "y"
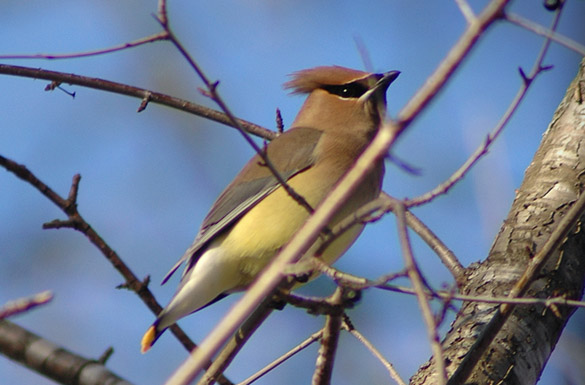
{"x": 552, "y": 185}
{"x": 53, "y": 361}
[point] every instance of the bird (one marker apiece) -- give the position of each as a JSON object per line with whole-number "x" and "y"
{"x": 255, "y": 216}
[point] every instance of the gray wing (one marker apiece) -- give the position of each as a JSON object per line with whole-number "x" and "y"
{"x": 295, "y": 149}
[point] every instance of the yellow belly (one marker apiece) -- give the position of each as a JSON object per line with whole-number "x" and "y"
{"x": 259, "y": 235}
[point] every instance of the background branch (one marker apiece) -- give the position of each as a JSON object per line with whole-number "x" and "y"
{"x": 51, "y": 360}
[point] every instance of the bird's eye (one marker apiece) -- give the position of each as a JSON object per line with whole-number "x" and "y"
{"x": 350, "y": 90}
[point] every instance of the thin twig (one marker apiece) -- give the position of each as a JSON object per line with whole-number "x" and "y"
{"x": 375, "y": 209}
{"x": 466, "y": 10}
{"x": 214, "y": 95}
{"x": 447, "y": 295}
{"x": 417, "y": 282}
{"x": 236, "y": 343}
{"x": 483, "y": 148}
{"x": 76, "y": 55}
{"x": 548, "y": 33}
{"x": 303, "y": 345}
{"x": 361, "y": 283}
{"x": 22, "y": 305}
{"x": 527, "y": 81}
{"x": 454, "y": 58}
{"x": 347, "y": 325}
{"x": 329, "y": 341}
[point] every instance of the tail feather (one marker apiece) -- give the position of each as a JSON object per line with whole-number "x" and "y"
{"x": 150, "y": 338}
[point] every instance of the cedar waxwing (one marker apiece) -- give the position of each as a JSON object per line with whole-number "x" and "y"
{"x": 254, "y": 216}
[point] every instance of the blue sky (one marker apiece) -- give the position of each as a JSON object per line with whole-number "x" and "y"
{"x": 149, "y": 178}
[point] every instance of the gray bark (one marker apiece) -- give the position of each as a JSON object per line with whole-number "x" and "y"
{"x": 553, "y": 182}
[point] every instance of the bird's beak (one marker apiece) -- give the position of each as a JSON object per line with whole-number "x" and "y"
{"x": 381, "y": 85}
{"x": 386, "y": 80}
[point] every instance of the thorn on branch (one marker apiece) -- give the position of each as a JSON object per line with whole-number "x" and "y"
{"x": 279, "y": 122}
{"x": 51, "y": 86}
{"x": 205, "y": 92}
{"x": 135, "y": 285}
{"x": 106, "y": 355}
{"x": 213, "y": 86}
{"x": 72, "y": 223}
{"x": 145, "y": 282}
{"x": 55, "y": 84}
{"x": 125, "y": 285}
{"x": 147, "y": 97}
{"x": 71, "y": 208}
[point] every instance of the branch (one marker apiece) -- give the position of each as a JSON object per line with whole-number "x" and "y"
{"x": 415, "y": 277}
{"x": 537, "y": 253}
{"x": 76, "y": 221}
{"x": 213, "y": 93}
{"x": 132, "y": 44}
{"x": 22, "y": 305}
{"x": 329, "y": 340}
{"x": 466, "y": 10}
{"x": 486, "y": 338}
{"x": 542, "y": 31}
{"x": 375, "y": 209}
{"x": 306, "y": 343}
{"x": 236, "y": 343}
{"x": 53, "y": 361}
{"x": 141, "y": 93}
{"x": 347, "y": 325}
{"x": 454, "y": 58}
{"x": 482, "y": 150}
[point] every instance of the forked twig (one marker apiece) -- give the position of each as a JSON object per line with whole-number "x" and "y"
{"x": 417, "y": 282}
{"x": 76, "y": 221}
{"x": 214, "y": 95}
{"x": 527, "y": 81}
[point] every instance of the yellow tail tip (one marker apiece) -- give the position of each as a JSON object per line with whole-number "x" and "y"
{"x": 147, "y": 339}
